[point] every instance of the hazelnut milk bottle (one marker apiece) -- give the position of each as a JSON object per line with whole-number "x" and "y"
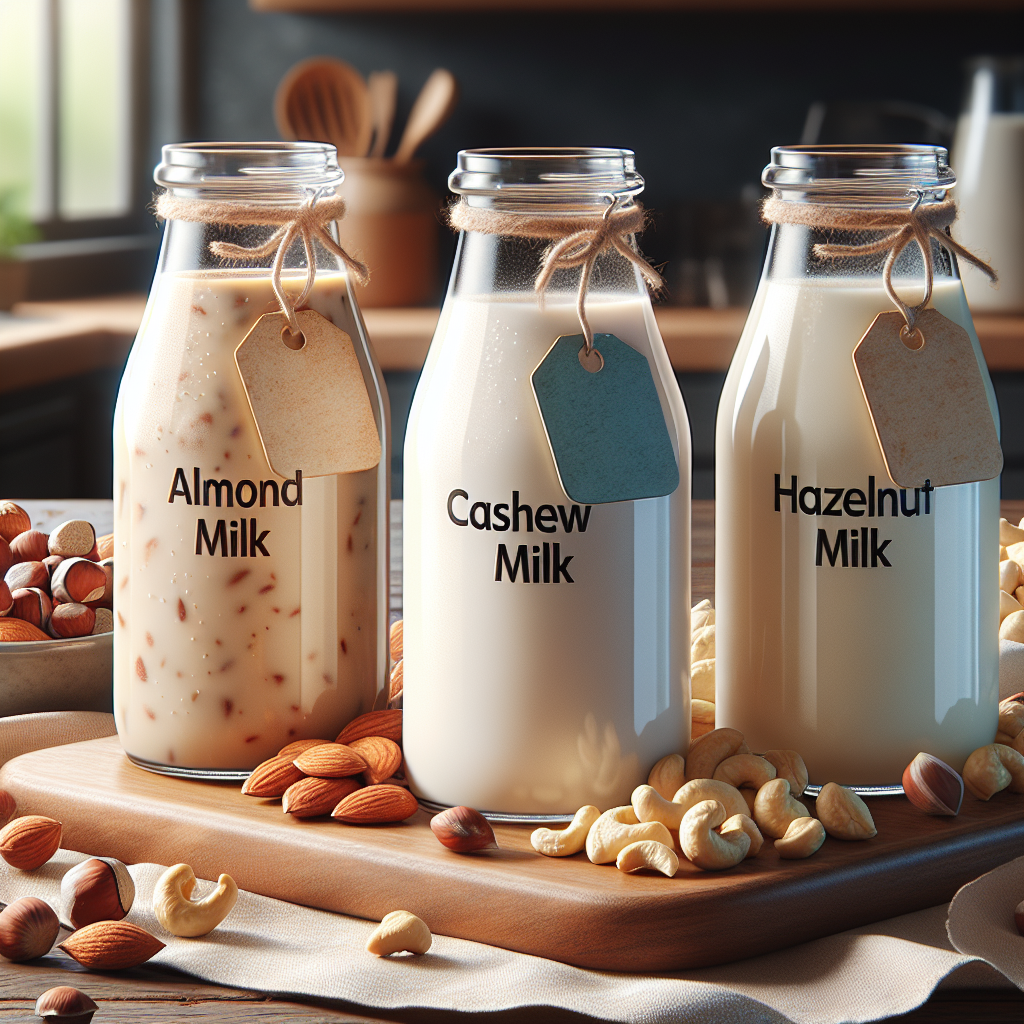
{"x": 546, "y": 637}
{"x": 251, "y": 607}
{"x": 856, "y": 619}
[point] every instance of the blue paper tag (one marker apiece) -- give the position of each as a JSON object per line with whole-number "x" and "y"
{"x": 604, "y": 423}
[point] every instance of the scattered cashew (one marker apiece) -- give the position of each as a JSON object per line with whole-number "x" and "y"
{"x": 1010, "y": 576}
{"x": 399, "y": 932}
{"x": 1009, "y": 534}
{"x": 789, "y": 765}
{"x": 748, "y": 770}
{"x": 710, "y": 789}
{"x": 701, "y": 615}
{"x": 775, "y": 807}
{"x": 707, "y": 753}
{"x": 744, "y": 823}
{"x": 1012, "y": 627}
{"x": 570, "y": 840}
{"x": 648, "y": 855}
{"x": 702, "y": 643}
{"x": 616, "y": 829}
{"x": 1014, "y": 551}
{"x": 702, "y": 712}
{"x": 1014, "y": 742}
{"x": 702, "y": 679}
{"x": 650, "y": 805}
{"x": 803, "y": 837}
{"x": 843, "y": 813}
{"x": 707, "y": 848}
{"x": 1007, "y": 605}
{"x": 668, "y": 775}
{"x": 993, "y": 768}
{"x": 179, "y": 915}
{"x": 1011, "y": 717}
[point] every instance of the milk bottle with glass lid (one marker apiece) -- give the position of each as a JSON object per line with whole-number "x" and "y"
{"x": 253, "y": 607}
{"x": 856, "y": 619}
{"x": 546, "y": 638}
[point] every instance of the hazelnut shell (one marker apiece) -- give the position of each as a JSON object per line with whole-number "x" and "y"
{"x": 463, "y": 830}
{"x": 65, "y": 1003}
{"x": 28, "y": 929}
{"x": 932, "y": 786}
{"x": 98, "y": 889}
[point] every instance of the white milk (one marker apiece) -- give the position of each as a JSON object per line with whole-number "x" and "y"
{"x": 858, "y": 668}
{"x": 534, "y": 698}
{"x": 221, "y": 659}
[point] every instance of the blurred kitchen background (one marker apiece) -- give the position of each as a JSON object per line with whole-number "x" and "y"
{"x": 90, "y": 90}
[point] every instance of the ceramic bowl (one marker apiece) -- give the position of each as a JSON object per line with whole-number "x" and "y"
{"x": 57, "y": 675}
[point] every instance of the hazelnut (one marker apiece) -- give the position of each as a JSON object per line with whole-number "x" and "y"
{"x": 104, "y": 621}
{"x": 13, "y": 520}
{"x": 51, "y": 562}
{"x": 463, "y": 830}
{"x": 75, "y": 537}
{"x": 30, "y": 546}
{"x": 933, "y": 786}
{"x": 28, "y": 929}
{"x": 71, "y": 620}
{"x": 65, "y": 1003}
{"x": 106, "y": 599}
{"x": 6, "y": 599}
{"x": 6, "y": 556}
{"x": 30, "y": 604}
{"x": 28, "y": 574}
{"x": 78, "y": 579}
{"x": 98, "y": 889}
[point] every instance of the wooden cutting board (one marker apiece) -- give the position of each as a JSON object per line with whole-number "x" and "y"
{"x": 565, "y": 909}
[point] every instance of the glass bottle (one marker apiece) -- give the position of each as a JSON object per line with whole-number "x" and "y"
{"x": 221, "y": 657}
{"x": 526, "y": 700}
{"x": 860, "y": 665}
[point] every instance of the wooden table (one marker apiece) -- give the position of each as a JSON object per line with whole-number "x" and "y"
{"x": 151, "y": 994}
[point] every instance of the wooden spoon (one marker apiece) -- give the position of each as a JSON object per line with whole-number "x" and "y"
{"x": 383, "y": 97}
{"x": 432, "y": 108}
{"x": 325, "y": 100}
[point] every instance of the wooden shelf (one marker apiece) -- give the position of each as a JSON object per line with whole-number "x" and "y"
{"x": 622, "y": 6}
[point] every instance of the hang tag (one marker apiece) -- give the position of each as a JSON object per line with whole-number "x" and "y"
{"x": 310, "y": 403}
{"x": 605, "y": 425}
{"x": 928, "y": 404}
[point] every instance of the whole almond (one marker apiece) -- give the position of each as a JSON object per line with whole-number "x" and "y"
{"x": 309, "y": 798}
{"x": 271, "y": 778}
{"x": 376, "y": 805}
{"x": 111, "y": 945}
{"x": 30, "y": 841}
{"x": 330, "y": 761}
{"x": 383, "y": 757}
{"x": 13, "y": 520}
{"x": 296, "y": 747}
{"x": 396, "y": 638}
{"x": 30, "y": 546}
{"x": 75, "y": 537}
{"x": 387, "y": 723}
{"x": 78, "y": 579}
{"x": 17, "y": 631}
{"x": 397, "y": 682}
{"x": 105, "y": 546}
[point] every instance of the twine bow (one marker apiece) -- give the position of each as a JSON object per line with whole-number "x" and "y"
{"x": 310, "y": 220}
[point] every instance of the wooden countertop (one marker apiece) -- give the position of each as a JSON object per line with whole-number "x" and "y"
{"x": 46, "y": 341}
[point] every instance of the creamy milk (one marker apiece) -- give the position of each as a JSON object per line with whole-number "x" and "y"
{"x": 269, "y": 633}
{"x": 861, "y": 664}
{"x": 564, "y": 681}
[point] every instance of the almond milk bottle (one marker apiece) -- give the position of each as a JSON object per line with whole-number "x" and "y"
{"x": 250, "y": 608}
{"x": 546, "y": 639}
{"x": 856, "y": 620}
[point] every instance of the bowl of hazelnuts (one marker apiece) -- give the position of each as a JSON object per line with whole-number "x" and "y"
{"x": 56, "y": 616}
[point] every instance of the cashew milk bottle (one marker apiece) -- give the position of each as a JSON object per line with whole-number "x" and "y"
{"x": 856, "y": 621}
{"x": 546, "y": 640}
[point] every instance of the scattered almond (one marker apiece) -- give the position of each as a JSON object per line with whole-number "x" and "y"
{"x": 376, "y": 805}
{"x": 387, "y": 723}
{"x": 271, "y": 778}
{"x": 330, "y": 761}
{"x": 309, "y": 798}
{"x": 29, "y": 841}
{"x": 383, "y": 757}
{"x": 111, "y": 945}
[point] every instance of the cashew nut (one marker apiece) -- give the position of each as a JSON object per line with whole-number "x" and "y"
{"x": 564, "y": 843}
{"x": 709, "y": 789}
{"x": 1014, "y": 551}
{"x": 175, "y": 910}
{"x": 650, "y": 805}
{"x": 993, "y": 768}
{"x": 1012, "y": 627}
{"x": 1009, "y": 534}
{"x": 744, "y": 823}
{"x": 1007, "y": 605}
{"x": 668, "y": 775}
{"x": 789, "y": 765}
{"x": 707, "y": 848}
{"x": 803, "y": 837}
{"x": 745, "y": 770}
{"x": 701, "y": 615}
{"x": 702, "y": 712}
{"x": 1010, "y": 576}
{"x": 648, "y": 855}
{"x": 1011, "y": 717}
{"x": 702, "y": 678}
{"x": 707, "y": 753}
{"x": 843, "y": 813}
{"x": 616, "y": 829}
{"x": 702, "y": 643}
{"x": 775, "y": 807}
{"x": 399, "y": 932}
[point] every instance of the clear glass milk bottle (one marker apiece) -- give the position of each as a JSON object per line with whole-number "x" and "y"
{"x": 251, "y": 607}
{"x": 557, "y": 675}
{"x": 856, "y": 620}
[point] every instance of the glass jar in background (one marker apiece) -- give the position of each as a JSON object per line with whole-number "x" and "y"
{"x": 254, "y": 607}
{"x": 532, "y": 695}
{"x": 862, "y": 663}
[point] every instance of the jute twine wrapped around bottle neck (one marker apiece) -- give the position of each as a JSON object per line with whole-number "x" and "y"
{"x": 310, "y": 220}
{"x": 576, "y": 241}
{"x": 921, "y": 223}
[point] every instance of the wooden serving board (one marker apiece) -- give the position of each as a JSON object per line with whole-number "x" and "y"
{"x": 565, "y": 909}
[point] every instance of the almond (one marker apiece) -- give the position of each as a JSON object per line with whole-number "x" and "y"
{"x": 29, "y": 841}
{"x": 309, "y": 798}
{"x": 383, "y": 757}
{"x": 7, "y": 807}
{"x": 111, "y": 945}
{"x": 386, "y": 723}
{"x": 330, "y": 761}
{"x": 376, "y": 804}
{"x": 296, "y": 747}
{"x": 271, "y": 778}
{"x": 17, "y": 631}
{"x": 396, "y": 638}
{"x": 397, "y": 682}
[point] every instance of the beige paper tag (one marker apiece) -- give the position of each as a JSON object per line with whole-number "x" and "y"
{"x": 310, "y": 403}
{"x": 928, "y": 405}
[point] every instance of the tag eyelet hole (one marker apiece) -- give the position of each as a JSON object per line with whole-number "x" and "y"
{"x": 291, "y": 339}
{"x": 592, "y": 363}
{"x": 912, "y": 338}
